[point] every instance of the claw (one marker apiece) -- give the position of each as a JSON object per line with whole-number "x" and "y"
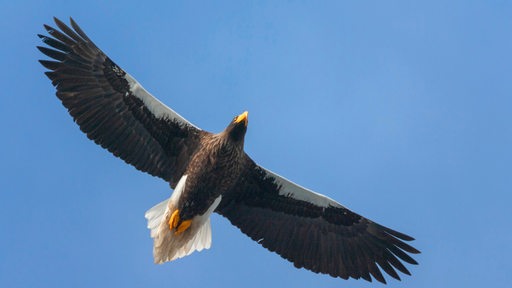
{"x": 174, "y": 223}
{"x": 175, "y": 219}
{"x": 183, "y": 226}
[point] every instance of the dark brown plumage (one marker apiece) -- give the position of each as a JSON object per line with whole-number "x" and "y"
{"x": 212, "y": 173}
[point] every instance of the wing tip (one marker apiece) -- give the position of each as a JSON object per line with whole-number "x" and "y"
{"x": 58, "y": 22}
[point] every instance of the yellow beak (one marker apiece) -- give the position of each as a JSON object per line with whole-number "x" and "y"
{"x": 243, "y": 117}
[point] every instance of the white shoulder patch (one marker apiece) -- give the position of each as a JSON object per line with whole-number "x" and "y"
{"x": 159, "y": 109}
{"x": 289, "y": 189}
{"x": 169, "y": 246}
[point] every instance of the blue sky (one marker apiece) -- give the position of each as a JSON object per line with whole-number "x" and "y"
{"x": 401, "y": 111}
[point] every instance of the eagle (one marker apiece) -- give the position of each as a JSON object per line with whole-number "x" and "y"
{"x": 211, "y": 172}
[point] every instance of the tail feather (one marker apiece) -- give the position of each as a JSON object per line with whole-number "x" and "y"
{"x": 155, "y": 215}
{"x": 167, "y": 245}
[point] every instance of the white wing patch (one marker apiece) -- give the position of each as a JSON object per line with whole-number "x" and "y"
{"x": 289, "y": 189}
{"x": 167, "y": 246}
{"x": 159, "y": 109}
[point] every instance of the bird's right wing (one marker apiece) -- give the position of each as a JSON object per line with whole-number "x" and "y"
{"x": 113, "y": 109}
{"x": 312, "y": 230}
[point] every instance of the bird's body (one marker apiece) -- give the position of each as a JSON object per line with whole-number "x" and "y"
{"x": 212, "y": 173}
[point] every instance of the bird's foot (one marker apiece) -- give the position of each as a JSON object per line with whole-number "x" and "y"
{"x": 176, "y": 223}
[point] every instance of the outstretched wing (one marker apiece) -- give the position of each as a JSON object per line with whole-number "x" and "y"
{"x": 312, "y": 230}
{"x": 113, "y": 109}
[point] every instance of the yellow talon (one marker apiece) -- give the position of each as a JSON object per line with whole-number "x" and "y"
{"x": 183, "y": 226}
{"x": 175, "y": 220}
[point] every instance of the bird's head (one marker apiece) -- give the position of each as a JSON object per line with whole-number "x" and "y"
{"x": 237, "y": 128}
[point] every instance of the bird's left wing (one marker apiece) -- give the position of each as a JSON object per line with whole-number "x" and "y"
{"x": 312, "y": 230}
{"x": 113, "y": 109}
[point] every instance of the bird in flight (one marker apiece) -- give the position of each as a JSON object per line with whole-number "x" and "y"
{"x": 211, "y": 173}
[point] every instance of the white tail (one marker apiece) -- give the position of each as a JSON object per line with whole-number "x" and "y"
{"x": 168, "y": 246}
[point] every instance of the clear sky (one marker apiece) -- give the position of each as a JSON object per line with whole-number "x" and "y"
{"x": 401, "y": 111}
